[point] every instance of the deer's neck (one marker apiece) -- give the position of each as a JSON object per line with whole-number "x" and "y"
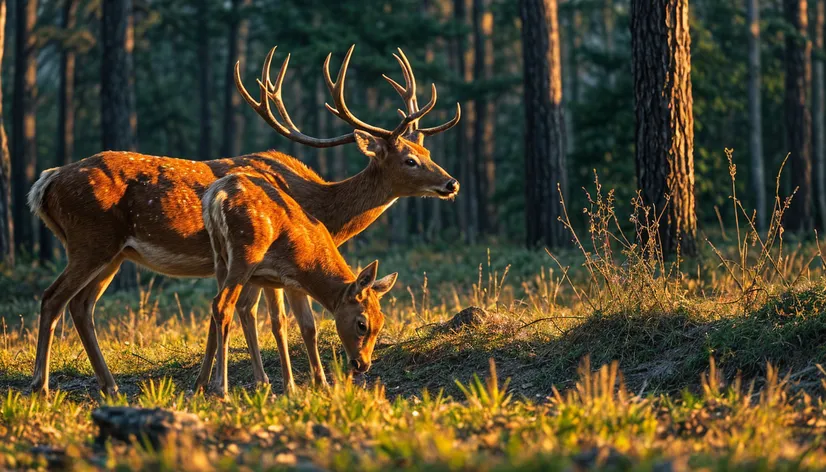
{"x": 327, "y": 284}
{"x": 346, "y": 208}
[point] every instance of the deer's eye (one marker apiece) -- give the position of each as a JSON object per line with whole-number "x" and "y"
{"x": 411, "y": 162}
{"x": 362, "y": 327}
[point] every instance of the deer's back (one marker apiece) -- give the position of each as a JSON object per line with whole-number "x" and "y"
{"x": 150, "y": 206}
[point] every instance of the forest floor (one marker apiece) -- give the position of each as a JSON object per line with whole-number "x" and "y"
{"x": 717, "y": 367}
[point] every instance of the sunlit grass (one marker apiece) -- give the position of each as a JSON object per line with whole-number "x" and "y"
{"x": 606, "y": 355}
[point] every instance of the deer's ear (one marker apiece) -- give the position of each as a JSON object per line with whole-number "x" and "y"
{"x": 417, "y": 137}
{"x": 369, "y": 145}
{"x": 365, "y": 280}
{"x": 384, "y": 284}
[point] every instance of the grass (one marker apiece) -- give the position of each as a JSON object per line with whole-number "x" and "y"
{"x": 607, "y": 355}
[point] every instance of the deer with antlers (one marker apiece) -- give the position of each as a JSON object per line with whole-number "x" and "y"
{"x": 118, "y": 206}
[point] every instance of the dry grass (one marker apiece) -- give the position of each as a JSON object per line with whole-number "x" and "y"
{"x": 707, "y": 363}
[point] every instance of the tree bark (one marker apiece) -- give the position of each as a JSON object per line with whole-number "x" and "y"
{"x": 24, "y": 144}
{"x": 798, "y": 120}
{"x": 65, "y": 112}
{"x": 66, "y": 104}
{"x": 758, "y": 176}
{"x": 483, "y": 133}
{"x": 204, "y": 82}
{"x": 116, "y": 71}
{"x": 117, "y": 96}
{"x": 609, "y": 22}
{"x": 321, "y": 117}
{"x": 819, "y": 119}
{"x": 467, "y": 198}
{"x": 544, "y": 123}
{"x": 434, "y": 220}
{"x": 661, "y": 47}
{"x": 233, "y": 119}
{"x": 6, "y": 222}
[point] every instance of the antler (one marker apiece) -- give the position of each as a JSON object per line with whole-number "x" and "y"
{"x": 408, "y": 94}
{"x": 272, "y": 91}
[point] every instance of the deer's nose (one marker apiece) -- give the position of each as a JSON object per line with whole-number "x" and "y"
{"x": 452, "y": 186}
{"x": 359, "y": 366}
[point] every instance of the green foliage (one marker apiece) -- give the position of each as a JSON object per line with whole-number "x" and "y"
{"x": 597, "y": 70}
{"x": 160, "y": 394}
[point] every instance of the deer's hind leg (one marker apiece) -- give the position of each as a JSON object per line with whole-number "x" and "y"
{"x": 82, "y": 309}
{"x": 80, "y": 271}
{"x": 223, "y": 308}
{"x": 212, "y": 343}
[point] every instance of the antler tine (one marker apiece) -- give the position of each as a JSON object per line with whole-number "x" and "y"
{"x": 337, "y": 91}
{"x": 445, "y": 126}
{"x": 415, "y": 116}
{"x": 275, "y": 93}
{"x": 415, "y": 123}
{"x": 408, "y": 92}
{"x": 262, "y": 107}
{"x": 409, "y": 75}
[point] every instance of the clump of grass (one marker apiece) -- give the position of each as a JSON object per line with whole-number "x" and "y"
{"x": 598, "y": 422}
{"x": 488, "y": 396}
{"x": 160, "y": 394}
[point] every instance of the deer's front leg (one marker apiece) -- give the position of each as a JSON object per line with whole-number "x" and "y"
{"x": 278, "y": 316}
{"x": 300, "y": 305}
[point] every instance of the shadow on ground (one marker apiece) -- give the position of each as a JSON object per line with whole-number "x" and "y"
{"x": 657, "y": 352}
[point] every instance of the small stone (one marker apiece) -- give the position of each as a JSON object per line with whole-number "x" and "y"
{"x": 154, "y": 425}
{"x": 56, "y": 458}
{"x": 470, "y": 316}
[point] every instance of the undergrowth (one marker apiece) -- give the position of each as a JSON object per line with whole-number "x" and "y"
{"x": 712, "y": 361}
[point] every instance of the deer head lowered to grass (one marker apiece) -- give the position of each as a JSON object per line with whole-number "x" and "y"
{"x": 118, "y": 206}
{"x": 260, "y": 235}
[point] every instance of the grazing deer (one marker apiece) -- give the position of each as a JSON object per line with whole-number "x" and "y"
{"x": 116, "y": 206}
{"x": 260, "y": 235}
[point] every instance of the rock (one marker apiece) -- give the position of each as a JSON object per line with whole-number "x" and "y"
{"x": 600, "y": 458}
{"x": 154, "y": 425}
{"x": 470, "y": 316}
{"x": 56, "y": 458}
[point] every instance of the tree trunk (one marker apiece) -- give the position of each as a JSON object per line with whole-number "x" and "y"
{"x": 758, "y": 176}
{"x": 433, "y": 227}
{"x": 66, "y": 104}
{"x": 819, "y": 120}
{"x": 661, "y": 48}
{"x": 116, "y": 72}
{"x": 609, "y": 22}
{"x": 298, "y": 95}
{"x": 117, "y": 97}
{"x": 233, "y": 119}
{"x": 24, "y": 144}
{"x": 544, "y": 123}
{"x": 204, "y": 82}
{"x": 798, "y": 119}
{"x": 6, "y": 222}
{"x": 321, "y": 116}
{"x": 483, "y": 133}
{"x": 398, "y": 220}
{"x": 65, "y": 112}
{"x": 467, "y": 198}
